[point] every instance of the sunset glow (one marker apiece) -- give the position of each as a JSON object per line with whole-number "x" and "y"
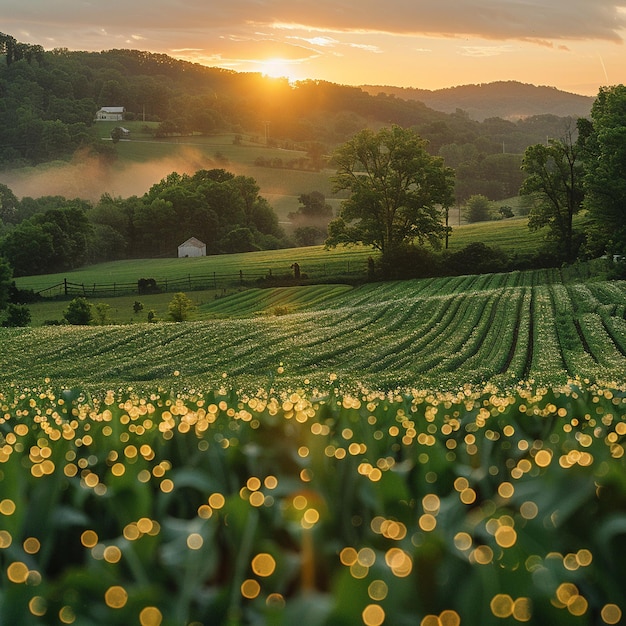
{"x": 574, "y": 45}
{"x": 279, "y": 68}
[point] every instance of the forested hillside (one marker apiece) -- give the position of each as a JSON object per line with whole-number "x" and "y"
{"x": 50, "y": 98}
{"x": 509, "y": 100}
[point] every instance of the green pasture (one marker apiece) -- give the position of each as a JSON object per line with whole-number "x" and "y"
{"x": 281, "y": 186}
{"x": 318, "y": 263}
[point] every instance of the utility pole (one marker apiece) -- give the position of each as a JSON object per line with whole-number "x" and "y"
{"x": 267, "y": 130}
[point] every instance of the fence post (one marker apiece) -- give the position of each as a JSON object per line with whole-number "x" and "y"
{"x": 214, "y": 280}
{"x": 65, "y": 286}
{"x": 241, "y": 277}
{"x": 189, "y": 280}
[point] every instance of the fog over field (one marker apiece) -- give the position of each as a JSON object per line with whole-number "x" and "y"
{"x": 89, "y": 178}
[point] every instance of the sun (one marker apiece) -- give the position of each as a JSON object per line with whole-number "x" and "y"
{"x": 277, "y": 68}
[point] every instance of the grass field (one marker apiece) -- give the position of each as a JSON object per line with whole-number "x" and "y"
{"x": 315, "y": 261}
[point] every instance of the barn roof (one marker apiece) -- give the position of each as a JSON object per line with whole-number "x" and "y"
{"x": 193, "y": 242}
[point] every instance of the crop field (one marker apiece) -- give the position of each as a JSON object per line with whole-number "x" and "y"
{"x": 434, "y": 333}
{"x": 439, "y": 452}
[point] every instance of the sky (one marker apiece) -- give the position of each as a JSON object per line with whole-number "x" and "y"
{"x": 573, "y": 45}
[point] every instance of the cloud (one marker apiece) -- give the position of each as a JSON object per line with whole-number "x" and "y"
{"x": 484, "y": 51}
{"x": 76, "y": 24}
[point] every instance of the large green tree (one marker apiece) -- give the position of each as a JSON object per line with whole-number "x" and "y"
{"x": 6, "y": 274}
{"x": 397, "y": 191}
{"x": 555, "y": 181}
{"x": 8, "y": 205}
{"x": 52, "y": 241}
{"x": 604, "y": 149}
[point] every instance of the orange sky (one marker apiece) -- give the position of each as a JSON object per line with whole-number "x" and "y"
{"x": 574, "y": 45}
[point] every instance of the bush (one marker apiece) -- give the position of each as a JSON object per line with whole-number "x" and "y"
{"x": 102, "y": 314}
{"x": 409, "y": 262}
{"x": 78, "y": 312}
{"x": 17, "y": 315}
{"x": 180, "y": 307}
{"x": 22, "y": 296}
{"x": 147, "y": 285}
{"x": 477, "y": 258}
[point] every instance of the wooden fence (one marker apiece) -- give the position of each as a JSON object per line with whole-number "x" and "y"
{"x": 190, "y": 282}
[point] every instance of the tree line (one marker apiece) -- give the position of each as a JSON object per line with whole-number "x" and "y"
{"x": 53, "y": 234}
{"x": 399, "y": 192}
{"x": 50, "y": 98}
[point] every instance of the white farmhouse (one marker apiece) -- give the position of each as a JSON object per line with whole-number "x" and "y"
{"x": 191, "y": 247}
{"x": 110, "y": 114}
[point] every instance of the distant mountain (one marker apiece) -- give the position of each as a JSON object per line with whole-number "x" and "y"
{"x": 509, "y": 100}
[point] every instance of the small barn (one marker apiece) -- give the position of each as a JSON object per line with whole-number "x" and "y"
{"x": 110, "y": 114}
{"x": 191, "y": 247}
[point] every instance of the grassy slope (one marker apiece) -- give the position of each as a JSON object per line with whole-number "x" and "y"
{"x": 511, "y": 235}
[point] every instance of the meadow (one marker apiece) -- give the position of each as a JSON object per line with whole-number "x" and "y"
{"x": 227, "y": 271}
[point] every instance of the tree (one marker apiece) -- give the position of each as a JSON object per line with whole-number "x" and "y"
{"x": 8, "y": 205}
{"x": 603, "y": 142}
{"x": 27, "y": 248}
{"x": 180, "y": 307}
{"x": 477, "y": 209}
{"x": 313, "y": 208}
{"x": 6, "y": 275}
{"x": 78, "y": 312}
{"x": 310, "y": 221}
{"x": 397, "y": 191}
{"x": 554, "y": 179}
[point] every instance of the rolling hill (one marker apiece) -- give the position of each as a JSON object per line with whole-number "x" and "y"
{"x": 509, "y": 100}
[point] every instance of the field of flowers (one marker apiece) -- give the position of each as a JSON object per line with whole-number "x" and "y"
{"x": 437, "y": 452}
{"x": 472, "y": 508}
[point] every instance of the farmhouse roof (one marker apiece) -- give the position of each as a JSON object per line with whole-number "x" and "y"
{"x": 192, "y": 241}
{"x": 112, "y": 109}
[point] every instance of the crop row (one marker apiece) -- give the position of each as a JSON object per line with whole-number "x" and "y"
{"x": 439, "y": 333}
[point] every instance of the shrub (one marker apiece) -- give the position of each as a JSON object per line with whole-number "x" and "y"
{"x": 409, "y": 262}
{"x": 477, "y": 258}
{"x": 102, "y": 313}
{"x": 17, "y": 315}
{"x": 78, "y": 312}
{"x": 180, "y": 307}
{"x": 147, "y": 285}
